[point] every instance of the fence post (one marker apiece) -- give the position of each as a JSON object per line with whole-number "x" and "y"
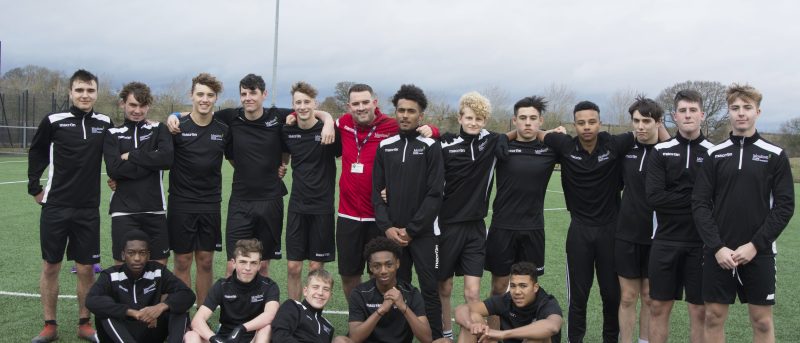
{"x": 25, "y": 124}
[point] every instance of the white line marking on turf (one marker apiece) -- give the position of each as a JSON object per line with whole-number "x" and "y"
{"x": 1, "y": 162}
{"x": 69, "y": 296}
{"x": 559, "y": 192}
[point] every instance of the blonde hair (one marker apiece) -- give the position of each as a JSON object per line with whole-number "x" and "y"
{"x": 745, "y": 92}
{"x": 477, "y": 103}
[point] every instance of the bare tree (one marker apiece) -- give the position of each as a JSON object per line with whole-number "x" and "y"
{"x": 441, "y": 113}
{"x": 560, "y": 102}
{"x": 715, "y": 105}
{"x": 172, "y": 98}
{"x": 501, "y": 102}
{"x": 342, "y": 93}
{"x": 35, "y": 79}
{"x": 331, "y": 106}
{"x": 790, "y": 136}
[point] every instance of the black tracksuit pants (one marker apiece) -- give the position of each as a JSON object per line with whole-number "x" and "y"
{"x": 423, "y": 253}
{"x": 591, "y": 248}
{"x": 131, "y": 330}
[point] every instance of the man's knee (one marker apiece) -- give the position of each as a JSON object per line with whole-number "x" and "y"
{"x": 714, "y": 316}
{"x": 628, "y": 297}
{"x": 51, "y": 270}
{"x": 660, "y": 308}
{"x": 192, "y": 337}
{"x": 294, "y": 268}
{"x": 446, "y": 288}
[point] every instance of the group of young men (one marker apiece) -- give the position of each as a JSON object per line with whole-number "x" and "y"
{"x": 408, "y": 196}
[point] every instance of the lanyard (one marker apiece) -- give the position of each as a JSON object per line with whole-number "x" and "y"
{"x": 360, "y": 145}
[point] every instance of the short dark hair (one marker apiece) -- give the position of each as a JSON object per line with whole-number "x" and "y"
{"x": 585, "y": 105}
{"x": 246, "y": 247}
{"x": 140, "y": 91}
{"x": 207, "y": 80}
{"x": 689, "y": 95}
{"x": 135, "y": 235}
{"x": 535, "y": 101}
{"x": 360, "y": 87}
{"x": 525, "y": 268}
{"x": 647, "y": 107}
{"x": 413, "y": 93}
{"x": 253, "y": 82}
{"x": 82, "y": 75}
{"x": 381, "y": 244}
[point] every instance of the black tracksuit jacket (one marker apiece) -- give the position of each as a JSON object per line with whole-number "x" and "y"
{"x": 410, "y": 167}
{"x": 115, "y": 291}
{"x": 744, "y": 194}
{"x": 298, "y": 322}
{"x": 469, "y": 163}
{"x": 71, "y": 144}
{"x": 149, "y": 148}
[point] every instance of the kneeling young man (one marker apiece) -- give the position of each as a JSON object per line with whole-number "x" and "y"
{"x": 248, "y": 301}
{"x": 385, "y": 309}
{"x": 127, "y": 299}
{"x": 527, "y": 313}
{"x": 290, "y": 324}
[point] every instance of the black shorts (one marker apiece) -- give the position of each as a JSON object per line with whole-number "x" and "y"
{"x": 505, "y": 247}
{"x": 261, "y": 219}
{"x": 754, "y": 282}
{"x": 631, "y": 259}
{"x": 154, "y": 225}
{"x": 462, "y": 249}
{"x": 75, "y": 229}
{"x": 675, "y": 269}
{"x": 351, "y": 236}
{"x": 310, "y": 237}
{"x": 190, "y": 232}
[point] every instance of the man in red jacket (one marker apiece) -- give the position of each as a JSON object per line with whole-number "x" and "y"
{"x": 362, "y": 130}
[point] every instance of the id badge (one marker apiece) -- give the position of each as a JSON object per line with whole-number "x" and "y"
{"x": 356, "y": 168}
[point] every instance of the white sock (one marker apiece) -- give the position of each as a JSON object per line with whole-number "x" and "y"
{"x": 448, "y": 334}
{"x": 643, "y": 341}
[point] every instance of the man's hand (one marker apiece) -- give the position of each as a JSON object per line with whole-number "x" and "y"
{"x": 173, "y": 124}
{"x": 394, "y": 234}
{"x": 291, "y": 120}
{"x": 425, "y": 131}
{"x": 150, "y": 314}
{"x": 385, "y": 307}
{"x": 397, "y": 298}
{"x": 725, "y": 259}
{"x": 282, "y": 170}
{"x": 744, "y": 253}
{"x": 112, "y": 184}
{"x": 491, "y": 335}
{"x": 39, "y": 197}
{"x": 559, "y": 129}
{"x": 328, "y": 134}
{"x": 383, "y": 195}
{"x": 124, "y": 156}
{"x": 404, "y": 235}
{"x": 477, "y": 329}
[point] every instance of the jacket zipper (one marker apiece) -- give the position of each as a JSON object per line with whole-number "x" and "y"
{"x": 135, "y": 301}
{"x": 641, "y": 163}
{"x": 319, "y": 325}
{"x": 741, "y": 152}
{"x": 136, "y": 136}
{"x": 472, "y": 149}
{"x": 83, "y": 125}
{"x": 404, "y": 150}
{"x": 688, "y": 153}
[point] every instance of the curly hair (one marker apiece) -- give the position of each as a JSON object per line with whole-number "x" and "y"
{"x": 305, "y": 88}
{"x": 207, "y": 80}
{"x": 477, "y": 103}
{"x": 745, "y": 92}
{"x": 381, "y": 244}
{"x": 413, "y": 93}
{"x": 140, "y": 91}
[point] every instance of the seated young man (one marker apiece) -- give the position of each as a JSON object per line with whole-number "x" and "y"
{"x": 527, "y": 313}
{"x": 302, "y": 321}
{"x": 247, "y": 299}
{"x": 128, "y": 299}
{"x": 385, "y": 309}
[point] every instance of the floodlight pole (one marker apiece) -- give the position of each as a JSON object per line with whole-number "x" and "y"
{"x": 275, "y": 52}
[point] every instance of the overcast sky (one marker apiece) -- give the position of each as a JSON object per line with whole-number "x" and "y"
{"x": 445, "y": 47}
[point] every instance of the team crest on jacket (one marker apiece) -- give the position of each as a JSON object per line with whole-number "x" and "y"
{"x": 760, "y": 158}
{"x": 257, "y": 298}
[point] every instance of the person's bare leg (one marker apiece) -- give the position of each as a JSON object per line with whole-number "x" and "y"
{"x": 762, "y": 323}
{"x": 644, "y": 311}
{"x": 314, "y": 265}
{"x": 499, "y": 286}
{"x": 472, "y": 288}
{"x": 714, "y": 326}
{"x": 349, "y": 283}
{"x": 659, "y": 320}
{"x": 445, "y": 291}
{"x": 293, "y": 271}
{"x": 264, "y": 270}
{"x": 263, "y": 335}
{"x": 183, "y": 267}
{"x": 697, "y": 319}
{"x": 48, "y": 289}
{"x": 205, "y": 274}
{"x": 629, "y": 296}
{"x": 85, "y": 281}
{"x": 229, "y": 268}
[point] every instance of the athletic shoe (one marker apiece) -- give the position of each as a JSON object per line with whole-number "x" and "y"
{"x": 97, "y": 268}
{"x": 86, "y": 332}
{"x": 49, "y": 334}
